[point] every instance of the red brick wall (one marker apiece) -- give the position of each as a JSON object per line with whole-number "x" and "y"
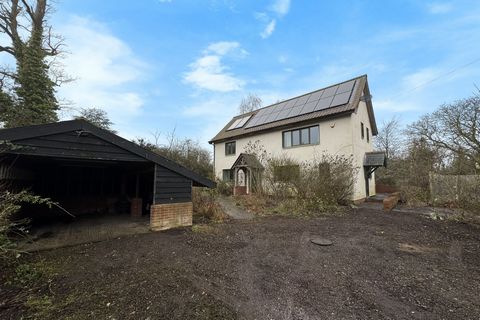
{"x": 171, "y": 215}
{"x": 240, "y": 190}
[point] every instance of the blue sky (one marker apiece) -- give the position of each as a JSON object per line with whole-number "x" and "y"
{"x": 158, "y": 65}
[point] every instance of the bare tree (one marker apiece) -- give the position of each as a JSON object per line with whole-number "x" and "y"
{"x": 250, "y": 103}
{"x": 453, "y": 128}
{"x": 389, "y": 137}
{"x": 23, "y": 20}
{"x": 96, "y": 117}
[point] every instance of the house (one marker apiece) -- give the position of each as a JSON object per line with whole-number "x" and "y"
{"x": 91, "y": 170}
{"x": 337, "y": 120}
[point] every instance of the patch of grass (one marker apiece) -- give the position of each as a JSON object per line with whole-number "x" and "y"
{"x": 203, "y": 228}
{"x": 291, "y": 206}
{"x": 29, "y": 274}
{"x": 41, "y": 307}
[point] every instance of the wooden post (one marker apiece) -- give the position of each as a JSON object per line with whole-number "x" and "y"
{"x": 137, "y": 185}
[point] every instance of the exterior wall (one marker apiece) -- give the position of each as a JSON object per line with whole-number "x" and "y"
{"x": 360, "y": 147}
{"x": 335, "y": 138}
{"x": 170, "y": 187}
{"x": 172, "y": 200}
{"x": 338, "y": 136}
{"x": 170, "y": 215}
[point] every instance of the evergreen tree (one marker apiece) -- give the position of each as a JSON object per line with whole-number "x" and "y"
{"x": 34, "y": 99}
{"x": 34, "y": 88}
{"x": 6, "y": 105}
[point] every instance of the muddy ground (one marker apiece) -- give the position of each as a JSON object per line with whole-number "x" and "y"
{"x": 381, "y": 266}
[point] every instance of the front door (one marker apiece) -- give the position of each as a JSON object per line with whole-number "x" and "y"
{"x": 367, "y": 184}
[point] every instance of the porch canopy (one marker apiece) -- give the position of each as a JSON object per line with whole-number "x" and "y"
{"x": 374, "y": 160}
{"x": 247, "y": 171}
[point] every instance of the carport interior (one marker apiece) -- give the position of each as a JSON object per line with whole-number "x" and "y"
{"x": 84, "y": 187}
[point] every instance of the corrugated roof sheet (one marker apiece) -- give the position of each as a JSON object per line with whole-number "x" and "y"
{"x": 336, "y": 99}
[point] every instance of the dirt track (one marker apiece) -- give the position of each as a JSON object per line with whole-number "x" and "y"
{"x": 381, "y": 266}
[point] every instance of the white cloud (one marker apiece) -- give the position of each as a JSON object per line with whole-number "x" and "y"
{"x": 278, "y": 9}
{"x": 267, "y": 32}
{"x": 208, "y": 71}
{"x": 420, "y": 78}
{"x": 214, "y": 111}
{"x": 222, "y": 47}
{"x": 439, "y": 8}
{"x": 281, "y": 7}
{"x": 104, "y": 68}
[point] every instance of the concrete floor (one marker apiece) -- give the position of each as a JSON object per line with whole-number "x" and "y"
{"x": 83, "y": 230}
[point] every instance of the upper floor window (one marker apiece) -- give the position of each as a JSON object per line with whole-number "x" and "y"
{"x": 230, "y": 148}
{"x": 368, "y": 135}
{"x": 362, "y": 130}
{"x": 303, "y": 136}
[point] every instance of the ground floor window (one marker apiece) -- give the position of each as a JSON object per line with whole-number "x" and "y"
{"x": 227, "y": 175}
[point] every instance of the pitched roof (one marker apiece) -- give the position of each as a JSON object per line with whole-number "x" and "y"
{"x": 337, "y": 99}
{"x": 27, "y": 132}
{"x": 249, "y": 160}
{"x": 375, "y": 159}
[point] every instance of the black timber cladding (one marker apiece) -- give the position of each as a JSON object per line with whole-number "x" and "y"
{"x": 119, "y": 147}
{"x": 170, "y": 187}
{"x": 74, "y": 144}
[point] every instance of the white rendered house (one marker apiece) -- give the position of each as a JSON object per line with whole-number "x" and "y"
{"x": 337, "y": 120}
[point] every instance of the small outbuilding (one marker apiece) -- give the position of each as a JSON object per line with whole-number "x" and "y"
{"x": 89, "y": 170}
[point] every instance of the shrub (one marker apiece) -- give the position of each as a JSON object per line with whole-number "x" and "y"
{"x": 205, "y": 204}
{"x": 11, "y": 203}
{"x": 225, "y": 187}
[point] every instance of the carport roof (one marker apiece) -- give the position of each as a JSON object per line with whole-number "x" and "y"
{"x": 20, "y": 133}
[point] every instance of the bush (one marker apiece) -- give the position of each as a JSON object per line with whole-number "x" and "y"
{"x": 206, "y": 206}
{"x": 11, "y": 203}
{"x": 306, "y": 187}
{"x": 224, "y": 188}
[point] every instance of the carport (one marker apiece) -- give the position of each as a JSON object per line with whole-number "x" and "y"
{"x": 91, "y": 171}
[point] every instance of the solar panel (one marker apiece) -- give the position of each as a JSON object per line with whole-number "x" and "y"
{"x": 261, "y": 112}
{"x": 309, "y": 107}
{"x": 324, "y": 103}
{"x": 281, "y": 106}
{"x": 291, "y": 103}
{"x": 315, "y": 96}
{"x": 318, "y": 100}
{"x": 340, "y": 99}
{"x": 295, "y": 111}
{"x": 283, "y": 114}
{"x": 329, "y": 92}
{"x": 302, "y": 100}
{"x": 345, "y": 87}
{"x": 252, "y": 122}
{"x": 262, "y": 120}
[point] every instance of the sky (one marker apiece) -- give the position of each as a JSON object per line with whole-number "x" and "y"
{"x": 184, "y": 65}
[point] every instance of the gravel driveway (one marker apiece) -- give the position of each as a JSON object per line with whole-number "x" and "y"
{"x": 380, "y": 266}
